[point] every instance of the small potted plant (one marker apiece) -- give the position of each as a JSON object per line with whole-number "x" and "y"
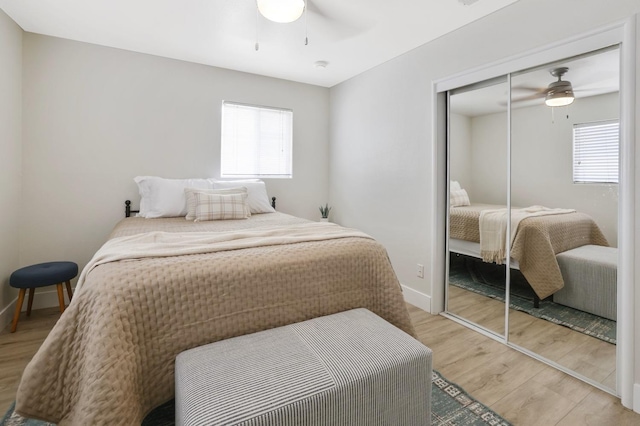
{"x": 324, "y": 211}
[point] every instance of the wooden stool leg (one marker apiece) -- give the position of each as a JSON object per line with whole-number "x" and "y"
{"x": 60, "y": 297}
{"x": 31, "y": 290}
{"x": 14, "y": 325}
{"x": 69, "y": 290}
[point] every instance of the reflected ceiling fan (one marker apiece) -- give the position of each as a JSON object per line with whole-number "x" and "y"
{"x": 558, "y": 93}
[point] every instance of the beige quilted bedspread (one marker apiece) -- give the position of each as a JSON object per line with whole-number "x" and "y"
{"x": 109, "y": 360}
{"x": 536, "y": 243}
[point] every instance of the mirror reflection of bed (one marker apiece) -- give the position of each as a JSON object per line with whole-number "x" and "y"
{"x": 563, "y": 236}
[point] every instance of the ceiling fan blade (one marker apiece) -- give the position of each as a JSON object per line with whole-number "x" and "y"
{"x": 313, "y": 8}
{"x": 529, "y": 98}
{"x": 520, "y": 99}
{"x": 332, "y": 24}
{"x": 537, "y": 90}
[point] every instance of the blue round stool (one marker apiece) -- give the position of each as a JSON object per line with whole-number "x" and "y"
{"x": 40, "y": 275}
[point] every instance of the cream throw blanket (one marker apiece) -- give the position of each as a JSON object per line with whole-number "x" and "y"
{"x": 493, "y": 229}
{"x": 166, "y": 244}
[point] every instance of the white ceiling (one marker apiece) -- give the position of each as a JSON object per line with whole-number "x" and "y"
{"x": 352, "y": 36}
{"x": 590, "y": 75}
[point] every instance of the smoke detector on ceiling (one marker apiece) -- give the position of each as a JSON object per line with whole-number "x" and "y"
{"x": 467, "y": 2}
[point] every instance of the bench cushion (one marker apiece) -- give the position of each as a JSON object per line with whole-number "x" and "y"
{"x": 349, "y": 368}
{"x": 590, "y": 276}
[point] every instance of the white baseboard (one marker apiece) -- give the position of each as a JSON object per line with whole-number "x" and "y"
{"x": 636, "y": 397}
{"x": 416, "y": 298}
{"x": 43, "y": 299}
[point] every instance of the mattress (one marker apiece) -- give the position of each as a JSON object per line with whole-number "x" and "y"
{"x": 536, "y": 242}
{"x": 110, "y": 357}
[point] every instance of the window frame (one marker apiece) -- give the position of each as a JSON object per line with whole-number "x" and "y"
{"x": 287, "y": 141}
{"x": 590, "y": 180}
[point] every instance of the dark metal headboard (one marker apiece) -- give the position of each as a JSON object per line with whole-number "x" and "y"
{"x": 128, "y": 211}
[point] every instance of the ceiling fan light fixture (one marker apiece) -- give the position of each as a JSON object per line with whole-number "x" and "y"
{"x": 559, "y": 99}
{"x": 559, "y": 93}
{"x": 281, "y": 11}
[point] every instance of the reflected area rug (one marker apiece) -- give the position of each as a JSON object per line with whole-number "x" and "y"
{"x": 488, "y": 280}
{"x": 450, "y": 405}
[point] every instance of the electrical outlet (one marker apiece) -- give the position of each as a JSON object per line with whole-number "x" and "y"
{"x": 420, "y": 271}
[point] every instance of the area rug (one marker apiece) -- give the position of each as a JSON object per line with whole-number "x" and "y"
{"x": 450, "y": 406}
{"x": 488, "y": 280}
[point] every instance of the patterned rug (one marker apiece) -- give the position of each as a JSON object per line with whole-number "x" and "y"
{"x": 488, "y": 280}
{"x": 450, "y": 406}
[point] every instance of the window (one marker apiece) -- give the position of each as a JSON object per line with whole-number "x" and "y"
{"x": 596, "y": 149}
{"x": 256, "y": 141}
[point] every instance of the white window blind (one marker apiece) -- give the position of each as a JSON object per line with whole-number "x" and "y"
{"x": 256, "y": 141}
{"x": 596, "y": 148}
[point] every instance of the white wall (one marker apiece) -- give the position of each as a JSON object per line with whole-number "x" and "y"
{"x": 488, "y": 159}
{"x": 380, "y": 160}
{"x": 10, "y": 155}
{"x": 460, "y": 150}
{"x": 541, "y": 160}
{"x": 95, "y": 117}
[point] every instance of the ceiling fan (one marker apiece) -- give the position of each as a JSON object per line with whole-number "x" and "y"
{"x": 290, "y": 11}
{"x": 557, "y": 93}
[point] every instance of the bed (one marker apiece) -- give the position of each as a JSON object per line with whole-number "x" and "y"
{"x": 536, "y": 242}
{"x": 110, "y": 357}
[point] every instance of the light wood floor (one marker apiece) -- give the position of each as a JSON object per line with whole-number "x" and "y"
{"x": 521, "y": 389}
{"x": 586, "y": 355}
{"x": 17, "y": 349}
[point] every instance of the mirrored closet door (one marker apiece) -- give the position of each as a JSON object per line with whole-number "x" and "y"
{"x": 550, "y": 164}
{"x": 478, "y": 181}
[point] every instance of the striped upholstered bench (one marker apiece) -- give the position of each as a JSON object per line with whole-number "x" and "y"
{"x": 590, "y": 276}
{"x": 351, "y": 368}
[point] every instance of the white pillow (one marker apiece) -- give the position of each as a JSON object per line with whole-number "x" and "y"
{"x": 191, "y": 199}
{"x": 257, "y": 199}
{"x": 161, "y": 197}
{"x": 220, "y": 206}
{"x": 459, "y": 198}
{"x": 454, "y": 186}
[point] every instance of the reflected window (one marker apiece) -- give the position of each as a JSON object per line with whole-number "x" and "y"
{"x": 596, "y": 148}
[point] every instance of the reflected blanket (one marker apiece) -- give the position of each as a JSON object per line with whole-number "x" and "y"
{"x": 493, "y": 229}
{"x": 536, "y": 243}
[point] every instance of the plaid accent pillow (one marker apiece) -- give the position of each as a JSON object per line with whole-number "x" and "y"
{"x": 459, "y": 198}
{"x": 221, "y": 206}
{"x": 191, "y": 199}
